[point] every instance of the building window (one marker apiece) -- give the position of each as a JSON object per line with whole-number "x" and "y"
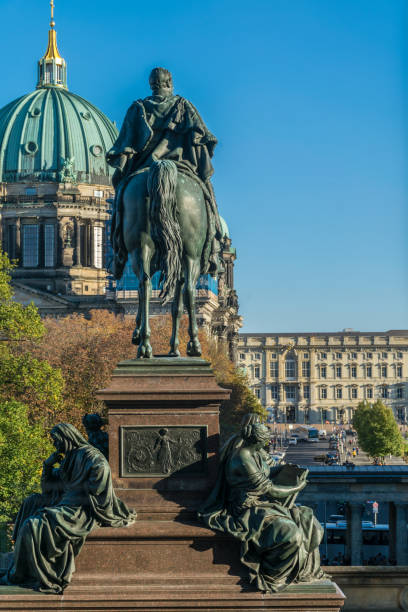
{"x": 274, "y": 369}
{"x": 290, "y": 368}
{"x": 338, "y": 355}
{"x": 338, "y": 371}
{"x": 369, "y": 355}
{"x": 369, "y": 371}
{"x": 401, "y": 414}
{"x": 339, "y": 392}
{"x": 98, "y": 193}
{"x": 257, "y": 356}
{"x": 384, "y": 355}
{"x": 306, "y": 391}
{"x": 30, "y": 246}
{"x": 323, "y": 355}
{"x": 369, "y": 393}
{"x": 353, "y": 372}
{"x": 400, "y": 392}
{"x": 305, "y": 355}
{"x": 11, "y": 241}
{"x": 354, "y": 393}
{"x": 290, "y": 414}
{"x": 384, "y": 392}
{"x": 49, "y": 249}
{"x": 290, "y": 392}
{"x": 98, "y": 247}
{"x": 399, "y": 355}
{"x": 256, "y": 371}
{"x": 384, "y": 371}
{"x": 399, "y": 371}
{"x": 306, "y": 368}
{"x": 354, "y": 355}
{"x": 323, "y": 393}
{"x": 242, "y": 355}
{"x": 275, "y": 392}
{"x": 323, "y": 371}
{"x": 273, "y": 355}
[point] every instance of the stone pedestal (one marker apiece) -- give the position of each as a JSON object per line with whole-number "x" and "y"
{"x": 163, "y": 451}
{"x": 163, "y": 434}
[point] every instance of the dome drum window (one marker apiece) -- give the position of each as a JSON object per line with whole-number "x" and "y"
{"x": 86, "y": 115}
{"x": 35, "y": 112}
{"x": 31, "y": 147}
{"x": 96, "y": 150}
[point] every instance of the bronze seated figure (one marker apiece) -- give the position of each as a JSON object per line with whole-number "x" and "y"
{"x": 254, "y": 501}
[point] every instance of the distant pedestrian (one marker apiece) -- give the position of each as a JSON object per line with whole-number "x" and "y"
{"x": 354, "y": 452}
{"x": 357, "y": 450}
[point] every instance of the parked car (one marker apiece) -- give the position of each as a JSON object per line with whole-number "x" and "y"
{"x": 293, "y": 441}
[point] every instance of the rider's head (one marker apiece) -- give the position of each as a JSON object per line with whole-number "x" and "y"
{"x": 160, "y": 82}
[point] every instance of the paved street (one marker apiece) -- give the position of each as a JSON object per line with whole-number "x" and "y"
{"x": 303, "y": 454}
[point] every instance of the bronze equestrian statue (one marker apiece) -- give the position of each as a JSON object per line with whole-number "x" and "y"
{"x": 165, "y": 215}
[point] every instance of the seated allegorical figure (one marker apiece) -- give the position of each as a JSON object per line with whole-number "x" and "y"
{"x": 51, "y": 527}
{"x": 254, "y": 501}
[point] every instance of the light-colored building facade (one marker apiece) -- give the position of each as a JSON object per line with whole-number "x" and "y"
{"x": 322, "y": 377}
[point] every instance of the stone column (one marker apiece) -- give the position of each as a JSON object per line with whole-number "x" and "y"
{"x": 91, "y": 244}
{"x": 354, "y": 537}
{"x": 17, "y": 253}
{"x": 398, "y": 532}
{"x": 77, "y": 241}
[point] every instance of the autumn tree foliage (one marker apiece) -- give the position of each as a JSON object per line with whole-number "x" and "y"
{"x": 87, "y": 349}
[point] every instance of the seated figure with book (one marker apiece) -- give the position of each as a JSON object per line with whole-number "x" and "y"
{"x": 254, "y": 501}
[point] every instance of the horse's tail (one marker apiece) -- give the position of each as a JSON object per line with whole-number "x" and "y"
{"x": 165, "y": 227}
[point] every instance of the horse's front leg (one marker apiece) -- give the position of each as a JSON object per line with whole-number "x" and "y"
{"x": 192, "y": 267}
{"x": 141, "y": 261}
{"x": 176, "y": 313}
{"x": 145, "y": 291}
{"x": 136, "y": 332}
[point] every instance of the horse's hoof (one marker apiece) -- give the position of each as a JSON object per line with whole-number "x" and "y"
{"x": 194, "y": 349}
{"x": 144, "y": 352}
{"x": 136, "y": 337}
{"x": 174, "y": 353}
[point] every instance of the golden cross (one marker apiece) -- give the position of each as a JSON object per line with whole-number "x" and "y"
{"x": 52, "y": 22}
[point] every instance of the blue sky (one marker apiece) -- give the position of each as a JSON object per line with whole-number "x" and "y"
{"x": 308, "y": 100}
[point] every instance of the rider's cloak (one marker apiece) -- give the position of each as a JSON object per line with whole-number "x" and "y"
{"x": 164, "y": 128}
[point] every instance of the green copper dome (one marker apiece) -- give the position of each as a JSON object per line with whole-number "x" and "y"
{"x": 52, "y": 132}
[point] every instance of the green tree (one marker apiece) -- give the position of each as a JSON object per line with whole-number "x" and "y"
{"x": 377, "y": 430}
{"x": 23, "y": 448}
{"x": 22, "y": 376}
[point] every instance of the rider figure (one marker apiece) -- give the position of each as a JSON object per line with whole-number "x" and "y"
{"x": 164, "y": 126}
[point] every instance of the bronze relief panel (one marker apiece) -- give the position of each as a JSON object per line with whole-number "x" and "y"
{"x": 163, "y": 450}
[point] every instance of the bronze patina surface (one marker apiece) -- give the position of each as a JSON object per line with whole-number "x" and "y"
{"x": 254, "y": 501}
{"x": 165, "y": 216}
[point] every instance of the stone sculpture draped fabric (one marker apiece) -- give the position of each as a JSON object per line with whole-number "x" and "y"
{"x": 51, "y": 528}
{"x": 279, "y": 543}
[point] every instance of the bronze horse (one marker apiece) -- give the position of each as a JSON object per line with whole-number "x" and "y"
{"x": 165, "y": 229}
